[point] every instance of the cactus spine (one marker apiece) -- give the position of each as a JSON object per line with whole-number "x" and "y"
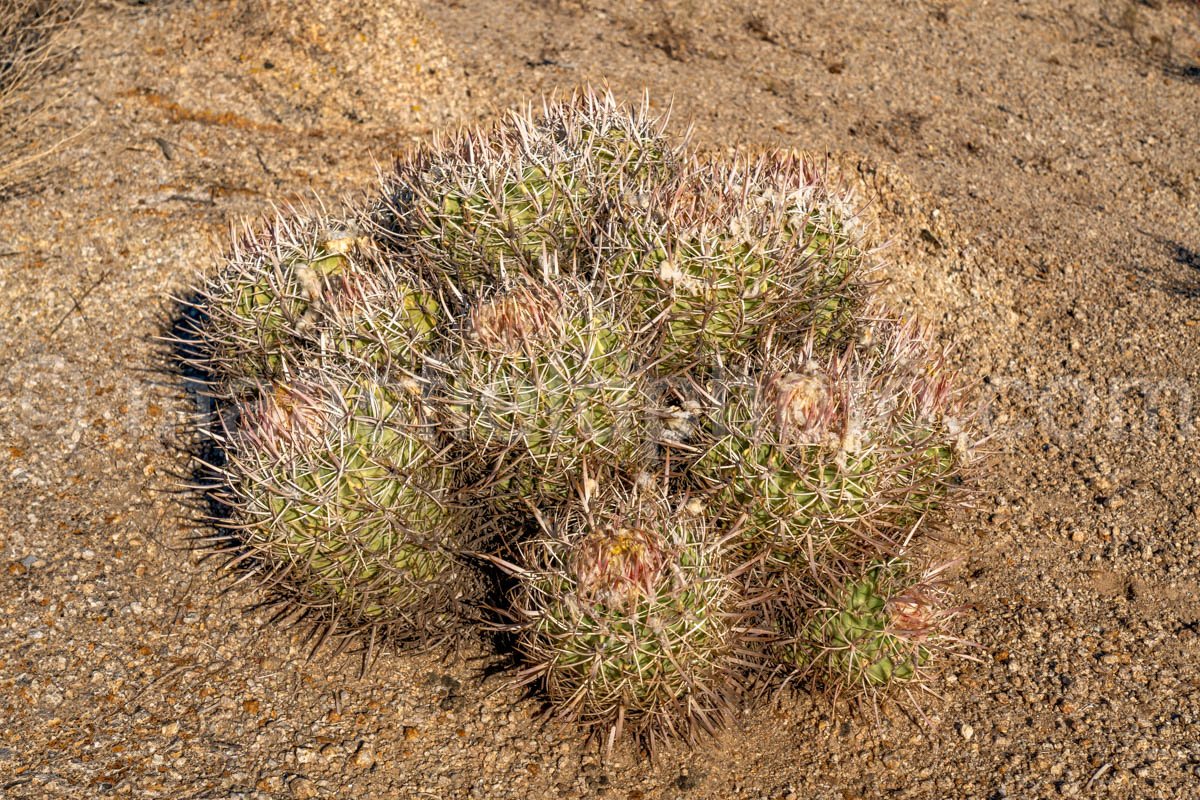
{"x": 527, "y": 197}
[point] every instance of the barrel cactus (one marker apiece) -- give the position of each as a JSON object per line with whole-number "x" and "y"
{"x": 381, "y": 320}
{"x": 732, "y": 254}
{"x": 343, "y": 504}
{"x": 258, "y": 309}
{"x": 876, "y": 632}
{"x": 646, "y": 397}
{"x": 540, "y": 381}
{"x": 627, "y": 617}
{"x": 831, "y": 457}
{"x": 528, "y": 196}
{"x": 305, "y": 284}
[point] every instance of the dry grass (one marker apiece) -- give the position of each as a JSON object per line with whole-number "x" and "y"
{"x": 30, "y": 50}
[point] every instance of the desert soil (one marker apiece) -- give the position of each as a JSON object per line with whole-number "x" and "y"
{"x": 1036, "y": 165}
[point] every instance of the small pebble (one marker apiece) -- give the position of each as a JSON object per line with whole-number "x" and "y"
{"x": 303, "y": 789}
{"x": 365, "y": 756}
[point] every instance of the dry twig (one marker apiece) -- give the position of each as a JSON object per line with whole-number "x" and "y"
{"x": 30, "y": 49}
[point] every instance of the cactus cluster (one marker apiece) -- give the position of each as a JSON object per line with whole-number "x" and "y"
{"x": 636, "y": 406}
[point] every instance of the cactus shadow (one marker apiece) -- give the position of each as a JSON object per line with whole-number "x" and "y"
{"x": 1187, "y": 72}
{"x": 1182, "y": 282}
{"x": 198, "y": 484}
{"x": 199, "y": 488}
{"x": 503, "y": 655}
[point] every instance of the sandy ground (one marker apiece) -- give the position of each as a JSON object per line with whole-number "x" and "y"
{"x": 1037, "y": 164}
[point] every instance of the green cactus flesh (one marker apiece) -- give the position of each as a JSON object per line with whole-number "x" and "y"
{"x": 722, "y": 269}
{"x": 260, "y": 312}
{"x": 310, "y": 302}
{"x": 932, "y": 475}
{"x": 798, "y": 500}
{"x": 391, "y": 328}
{"x": 824, "y": 459}
{"x": 490, "y": 229}
{"x": 777, "y": 462}
{"x": 626, "y": 156}
{"x": 719, "y": 297}
{"x": 528, "y": 197}
{"x": 332, "y": 499}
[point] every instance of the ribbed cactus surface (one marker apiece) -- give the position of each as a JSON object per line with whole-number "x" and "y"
{"x": 874, "y": 631}
{"x": 832, "y": 455}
